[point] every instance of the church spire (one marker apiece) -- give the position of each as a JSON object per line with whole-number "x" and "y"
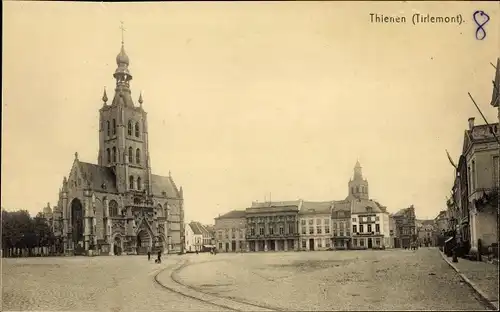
{"x": 358, "y": 173}
{"x": 123, "y": 77}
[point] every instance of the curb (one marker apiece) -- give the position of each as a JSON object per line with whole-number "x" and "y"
{"x": 170, "y": 284}
{"x": 492, "y": 304}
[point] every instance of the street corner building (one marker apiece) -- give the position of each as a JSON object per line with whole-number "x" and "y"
{"x": 273, "y": 226}
{"x": 117, "y": 205}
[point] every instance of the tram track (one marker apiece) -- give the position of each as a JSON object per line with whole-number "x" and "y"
{"x": 225, "y": 302}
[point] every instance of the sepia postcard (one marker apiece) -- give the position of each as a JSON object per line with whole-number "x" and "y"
{"x": 250, "y": 156}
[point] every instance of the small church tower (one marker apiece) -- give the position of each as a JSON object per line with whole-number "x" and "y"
{"x": 358, "y": 186}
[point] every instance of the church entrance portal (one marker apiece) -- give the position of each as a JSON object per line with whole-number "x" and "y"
{"x": 117, "y": 246}
{"x": 77, "y": 226}
{"x": 143, "y": 242}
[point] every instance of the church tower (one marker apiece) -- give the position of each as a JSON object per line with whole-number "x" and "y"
{"x": 358, "y": 187}
{"x": 123, "y": 133}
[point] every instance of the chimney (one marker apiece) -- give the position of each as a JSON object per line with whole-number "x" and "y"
{"x": 471, "y": 123}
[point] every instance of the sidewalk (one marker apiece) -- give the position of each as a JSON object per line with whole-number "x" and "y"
{"x": 481, "y": 276}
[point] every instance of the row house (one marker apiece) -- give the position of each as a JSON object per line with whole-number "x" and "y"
{"x": 273, "y": 226}
{"x": 425, "y": 233}
{"x": 341, "y": 225}
{"x": 230, "y": 232}
{"x": 315, "y": 225}
{"x": 405, "y": 231}
{"x": 370, "y": 225}
{"x": 481, "y": 158}
{"x": 196, "y": 237}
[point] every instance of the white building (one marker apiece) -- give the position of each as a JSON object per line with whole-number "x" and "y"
{"x": 193, "y": 237}
{"x": 315, "y": 225}
{"x": 370, "y": 225}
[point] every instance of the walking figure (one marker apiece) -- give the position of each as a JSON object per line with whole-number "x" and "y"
{"x": 159, "y": 257}
{"x": 149, "y": 253}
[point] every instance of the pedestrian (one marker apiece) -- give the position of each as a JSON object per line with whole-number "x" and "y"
{"x": 159, "y": 256}
{"x": 149, "y": 253}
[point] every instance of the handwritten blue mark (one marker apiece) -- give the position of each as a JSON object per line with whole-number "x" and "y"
{"x": 483, "y": 20}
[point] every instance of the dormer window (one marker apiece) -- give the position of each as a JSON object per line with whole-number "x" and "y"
{"x": 164, "y": 193}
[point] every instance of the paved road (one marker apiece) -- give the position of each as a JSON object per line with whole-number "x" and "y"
{"x": 340, "y": 280}
{"x": 115, "y": 284}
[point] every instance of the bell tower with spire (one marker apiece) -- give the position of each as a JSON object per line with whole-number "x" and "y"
{"x": 123, "y": 132}
{"x": 358, "y": 186}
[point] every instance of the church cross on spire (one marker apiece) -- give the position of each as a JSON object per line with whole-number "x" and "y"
{"x": 123, "y": 31}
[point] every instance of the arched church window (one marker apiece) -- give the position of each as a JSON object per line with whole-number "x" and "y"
{"x": 138, "y": 156}
{"x": 108, "y": 152}
{"x": 114, "y": 154}
{"x": 108, "y": 127}
{"x": 113, "y": 208}
{"x": 131, "y": 182}
{"x": 139, "y": 183}
{"x": 137, "y": 129}
{"x": 114, "y": 126}
{"x": 130, "y": 155}
{"x": 129, "y": 127}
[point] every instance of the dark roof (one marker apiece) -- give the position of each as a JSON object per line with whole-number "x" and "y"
{"x": 361, "y": 205}
{"x": 196, "y": 227}
{"x": 98, "y": 176}
{"x": 288, "y": 203}
{"x": 344, "y": 205}
{"x": 162, "y": 184}
{"x": 316, "y": 207}
{"x": 234, "y": 214}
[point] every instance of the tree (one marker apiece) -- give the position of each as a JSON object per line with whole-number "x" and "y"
{"x": 19, "y": 230}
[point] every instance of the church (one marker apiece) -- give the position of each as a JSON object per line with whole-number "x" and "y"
{"x": 118, "y": 206}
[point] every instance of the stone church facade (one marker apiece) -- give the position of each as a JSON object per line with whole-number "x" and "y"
{"x": 118, "y": 206}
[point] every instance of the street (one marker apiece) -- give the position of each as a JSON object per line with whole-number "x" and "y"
{"x": 330, "y": 280}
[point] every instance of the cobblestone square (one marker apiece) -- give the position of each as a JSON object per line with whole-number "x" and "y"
{"x": 330, "y": 280}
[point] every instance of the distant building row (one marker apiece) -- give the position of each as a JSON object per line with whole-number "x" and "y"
{"x": 354, "y": 223}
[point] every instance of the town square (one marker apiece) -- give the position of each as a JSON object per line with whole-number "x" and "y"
{"x": 225, "y": 156}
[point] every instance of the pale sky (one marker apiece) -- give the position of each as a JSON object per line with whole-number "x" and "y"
{"x": 247, "y": 99}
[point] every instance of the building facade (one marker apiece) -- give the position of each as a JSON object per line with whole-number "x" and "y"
{"x": 370, "y": 225}
{"x": 273, "y": 226}
{"x": 193, "y": 239}
{"x": 405, "y": 232}
{"x": 341, "y": 225}
{"x": 230, "y": 232}
{"x": 118, "y": 205}
{"x": 425, "y": 232}
{"x": 315, "y": 225}
{"x": 481, "y": 152}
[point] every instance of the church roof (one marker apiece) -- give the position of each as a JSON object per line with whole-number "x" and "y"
{"x": 98, "y": 176}
{"x": 160, "y": 184}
